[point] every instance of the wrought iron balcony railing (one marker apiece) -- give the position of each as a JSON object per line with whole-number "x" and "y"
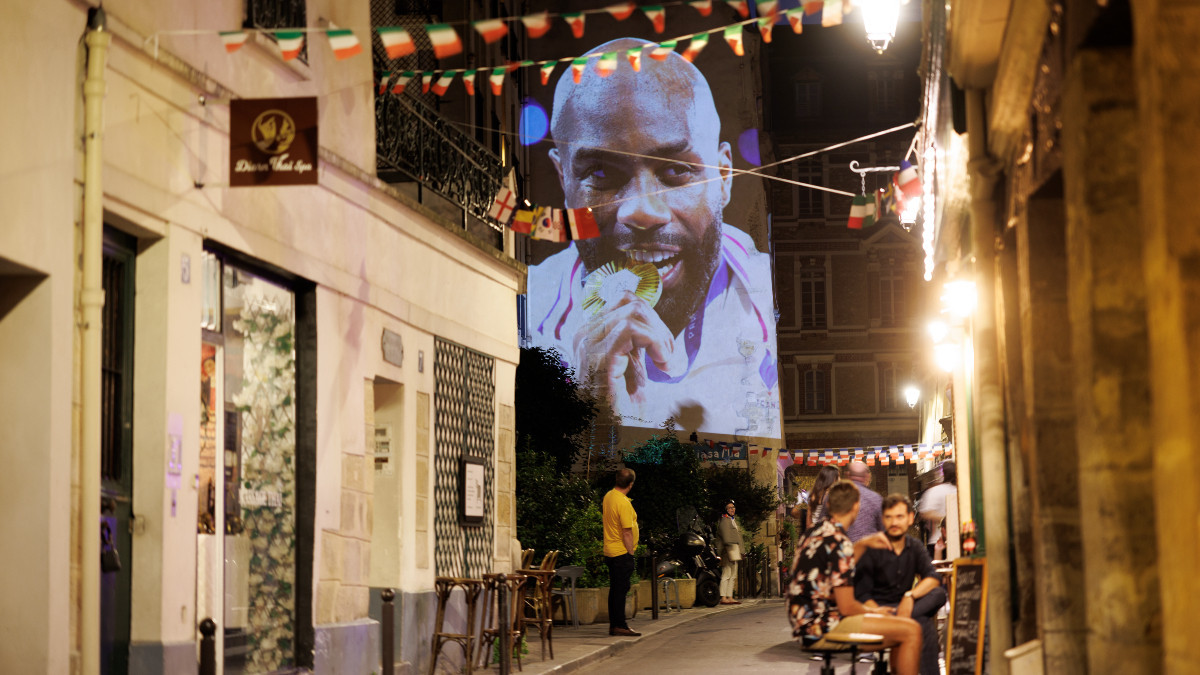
{"x": 414, "y": 143}
{"x": 278, "y": 14}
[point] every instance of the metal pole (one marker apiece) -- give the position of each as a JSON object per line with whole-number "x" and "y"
{"x": 387, "y": 617}
{"x": 208, "y": 647}
{"x": 504, "y": 623}
{"x": 653, "y": 586}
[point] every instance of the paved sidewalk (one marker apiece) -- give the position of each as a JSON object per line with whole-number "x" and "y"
{"x": 575, "y": 648}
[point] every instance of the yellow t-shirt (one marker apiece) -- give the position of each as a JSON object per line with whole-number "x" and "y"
{"x": 618, "y": 515}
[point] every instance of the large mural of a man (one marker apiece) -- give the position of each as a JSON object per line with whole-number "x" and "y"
{"x": 643, "y": 150}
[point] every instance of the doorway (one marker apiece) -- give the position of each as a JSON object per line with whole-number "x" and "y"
{"x": 246, "y": 521}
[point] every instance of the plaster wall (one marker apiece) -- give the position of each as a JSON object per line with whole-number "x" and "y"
{"x": 378, "y": 260}
{"x": 37, "y": 329}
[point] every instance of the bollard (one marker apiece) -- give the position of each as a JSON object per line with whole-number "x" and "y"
{"x": 208, "y": 647}
{"x": 653, "y": 586}
{"x": 504, "y": 624}
{"x": 388, "y": 609}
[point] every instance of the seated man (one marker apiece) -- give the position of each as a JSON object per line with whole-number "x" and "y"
{"x": 821, "y": 593}
{"x": 886, "y": 576}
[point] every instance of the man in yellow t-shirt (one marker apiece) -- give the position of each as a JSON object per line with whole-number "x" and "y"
{"x": 620, "y": 541}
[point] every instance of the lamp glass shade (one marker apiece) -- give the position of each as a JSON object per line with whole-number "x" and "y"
{"x": 879, "y": 20}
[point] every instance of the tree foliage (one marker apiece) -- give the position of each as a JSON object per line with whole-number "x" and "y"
{"x": 755, "y": 501}
{"x": 552, "y": 409}
{"x": 553, "y": 506}
{"x": 668, "y": 477}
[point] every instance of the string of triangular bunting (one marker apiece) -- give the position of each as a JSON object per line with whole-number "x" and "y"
{"x": 398, "y": 41}
{"x": 882, "y": 455}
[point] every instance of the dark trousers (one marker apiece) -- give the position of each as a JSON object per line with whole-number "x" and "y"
{"x": 620, "y": 569}
{"x": 925, "y": 609}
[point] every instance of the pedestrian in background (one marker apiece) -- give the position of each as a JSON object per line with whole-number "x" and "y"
{"x": 826, "y": 477}
{"x": 731, "y": 552}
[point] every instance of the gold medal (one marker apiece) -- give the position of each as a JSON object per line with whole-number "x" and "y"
{"x": 607, "y": 284}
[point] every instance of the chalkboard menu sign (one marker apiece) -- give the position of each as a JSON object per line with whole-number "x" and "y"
{"x": 968, "y": 612}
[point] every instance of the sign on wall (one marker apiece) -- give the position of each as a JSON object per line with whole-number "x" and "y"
{"x": 272, "y": 141}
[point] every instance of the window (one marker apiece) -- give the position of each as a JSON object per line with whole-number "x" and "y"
{"x": 278, "y": 14}
{"x": 811, "y": 202}
{"x": 883, "y": 88}
{"x": 815, "y": 398}
{"x": 892, "y": 305}
{"x": 783, "y": 198}
{"x": 811, "y": 299}
{"x": 892, "y": 377}
{"x": 806, "y": 94}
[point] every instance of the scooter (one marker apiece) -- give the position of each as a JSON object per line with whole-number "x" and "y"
{"x": 692, "y": 551}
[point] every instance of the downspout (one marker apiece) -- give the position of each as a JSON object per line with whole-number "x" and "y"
{"x": 91, "y": 302}
{"x": 989, "y": 396}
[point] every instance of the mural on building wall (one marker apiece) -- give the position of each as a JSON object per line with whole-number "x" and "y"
{"x": 670, "y": 312}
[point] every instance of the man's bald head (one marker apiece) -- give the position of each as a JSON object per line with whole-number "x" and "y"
{"x": 673, "y": 83}
{"x": 858, "y": 472}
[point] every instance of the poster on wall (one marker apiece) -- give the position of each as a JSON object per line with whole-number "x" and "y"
{"x": 272, "y": 141}
{"x": 670, "y": 311}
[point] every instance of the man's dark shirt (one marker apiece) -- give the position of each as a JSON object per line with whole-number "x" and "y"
{"x": 883, "y": 576}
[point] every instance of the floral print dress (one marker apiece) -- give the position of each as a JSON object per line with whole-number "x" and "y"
{"x": 823, "y": 561}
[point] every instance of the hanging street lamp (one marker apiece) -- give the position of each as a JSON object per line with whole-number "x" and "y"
{"x": 879, "y": 18}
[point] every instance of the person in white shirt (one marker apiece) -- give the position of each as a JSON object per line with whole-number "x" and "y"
{"x": 932, "y": 506}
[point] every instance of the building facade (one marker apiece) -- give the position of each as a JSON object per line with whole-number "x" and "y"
{"x": 1058, "y": 140}
{"x": 243, "y": 404}
{"x": 849, "y": 299}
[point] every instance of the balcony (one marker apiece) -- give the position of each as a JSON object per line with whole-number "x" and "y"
{"x": 424, "y": 155}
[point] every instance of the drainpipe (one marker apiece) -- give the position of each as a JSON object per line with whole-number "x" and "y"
{"x": 91, "y": 301}
{"x": 989, "y": 396}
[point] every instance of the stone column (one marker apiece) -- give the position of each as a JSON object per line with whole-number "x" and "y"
{"x": 1111, "y": 359}
{"x": 1168, "y": 69}
{"x": 1050, "y": 425}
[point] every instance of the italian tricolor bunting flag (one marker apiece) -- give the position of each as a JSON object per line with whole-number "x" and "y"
{"x": 343, "y": 42}
{"x": 733, "y": 35}
{"x": 768, "y": 8}
{"x": 657, "y": 16}
{"x": 383, "y": 80}
{"x": 402, "y": 81}
{"x": 607, "y": 64}
{"x": 575, "y": 21}
{"x": 496, "y": 79}
{"x": 795, "y": 17}
{"x": 635, "y": 58}
{"x": 577, "y": 67}
{"x": 396, "y": 41}
{"x": 764, "y": 27}
{"x": 662, "y": 50}
{"x": 702, "y": 6}
{"x": 233, "y": 40}
{"x": 536, "y": 25}
{"x": 290, "y": 44}
{"x": 694, "y": 47}
{"x": 491, "y": 29}
{"x": 621, "y": 10}
{"x": 445, "y": 40}
{"x": 469, "y": 81}
{"x": 426, "y": 80}
{"x": 443, "y": 83}
{"x": 546, "y": 69}
{"x": 742, "y": 7}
